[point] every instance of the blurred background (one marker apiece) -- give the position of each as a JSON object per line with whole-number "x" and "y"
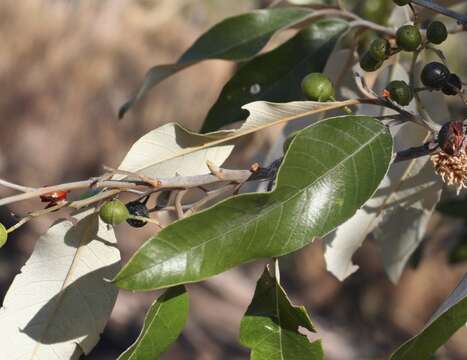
{"x": 67, "y": 66}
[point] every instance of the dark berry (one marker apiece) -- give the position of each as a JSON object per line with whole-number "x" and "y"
{"x": 137, "y": 208}
{"x": 408, "y": 38}
{"x": 379, "y": 49}
{"x": 452, "y": 86}
{"x": 402, "y": 2}
{"x": 3, "y": 235}
{"x": 369, "y": 63}
{"x": 434, "y": 75}
{"x": 114, "y": 212}
{"x": 436, "y": 32}
{"x": 317, "y": 87}
{"x": 400, "y": 92}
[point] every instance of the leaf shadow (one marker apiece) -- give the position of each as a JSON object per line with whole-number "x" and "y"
{"x": 88, "y": 226}
{"x": 425, "y": 181}
{"x": 77, "y": 311}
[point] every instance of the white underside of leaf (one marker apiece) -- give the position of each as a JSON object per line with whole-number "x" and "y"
{"x": 170, "y": 150}
{"x": 59, "y": 304}
{"x": 406, "y": 217}
{"x": 456, "y": 296}
{"x": 406, "y": 192}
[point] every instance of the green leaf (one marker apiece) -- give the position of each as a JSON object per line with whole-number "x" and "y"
{"x": 450, "y": 317}
{"x": 458, "y": 253}
{"x": 236, "y": 38}
{"x": 276, "y": 76}
{"x": 270, "y": 325}
{"x": 330, "y": 170}
{"x": 453, "y": 207}
{"x": 164, "y": 322}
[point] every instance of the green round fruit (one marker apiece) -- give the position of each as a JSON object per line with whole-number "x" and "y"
{"x": 379, "y": 49}
{"x": 408, "y": 38}
{"x": 114, "y": 212}
{"x": 436, "y": 32}
{"x": 317, "y": 87}
{"x": 3, "y": 235}
{"x": 368, "y": 63}
{"x": 402, "y": 2}
{"x": 377, "y": 11}
{"x": 365, "y": 40}
{"x": 400, "y": 92}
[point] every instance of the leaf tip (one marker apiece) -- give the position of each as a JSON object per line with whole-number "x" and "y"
{"x": 124, "y": 108}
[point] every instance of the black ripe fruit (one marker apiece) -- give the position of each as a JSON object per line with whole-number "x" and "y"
{"x": 434, "y": 75}
{"x": 137, "y": 208}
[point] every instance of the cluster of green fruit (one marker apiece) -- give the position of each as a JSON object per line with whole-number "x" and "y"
{"x": 408, "y": 38}
{"x": 116, "y": 212}
{"x": 435, "y": 76}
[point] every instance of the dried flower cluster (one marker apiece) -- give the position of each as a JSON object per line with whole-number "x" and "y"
{"x": 451, "y": 168}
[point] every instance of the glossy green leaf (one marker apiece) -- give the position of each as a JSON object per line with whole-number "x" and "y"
{"x": 271, "y": 324}
{"x": 450, "y": 317}
{"x": 236, "y": 38}
{"x": 276, "y": 75}
{"x": 330, "y": 170}
{"x": 164, "y": 322}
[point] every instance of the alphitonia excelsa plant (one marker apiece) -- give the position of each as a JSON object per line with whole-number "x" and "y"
{"x": 319, "y": 181}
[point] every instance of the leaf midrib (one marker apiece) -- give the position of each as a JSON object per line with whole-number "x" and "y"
{"x": 235, "y": 228}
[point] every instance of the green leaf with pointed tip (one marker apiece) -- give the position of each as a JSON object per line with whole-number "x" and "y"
{"x": 271, "y": 324}
{"x": 236, "y": 38}
{"x": 330, "y": 170}
{"x": 164, "y": 322}
{"x": 449, "y": 318}
{"x": 277, "y": 75}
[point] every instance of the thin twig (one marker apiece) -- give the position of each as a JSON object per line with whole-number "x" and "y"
{"x": 151, "y": 181}
{"x": 145, "y": 219}
{"x": 14, "y": 186}
{"x": 462, "y": 19}
{"x": 35, "y": 214}
{"x": 415, "y": 152}
{"x": 356, "y": 21}
{"x": 211, "y": 195}
{"x": 77, "y": 185}
{"x": 215, "y": 170}
{"x": 178, "y": 203}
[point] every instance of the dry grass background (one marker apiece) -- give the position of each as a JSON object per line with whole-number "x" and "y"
{"x": 65, "y": 68}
